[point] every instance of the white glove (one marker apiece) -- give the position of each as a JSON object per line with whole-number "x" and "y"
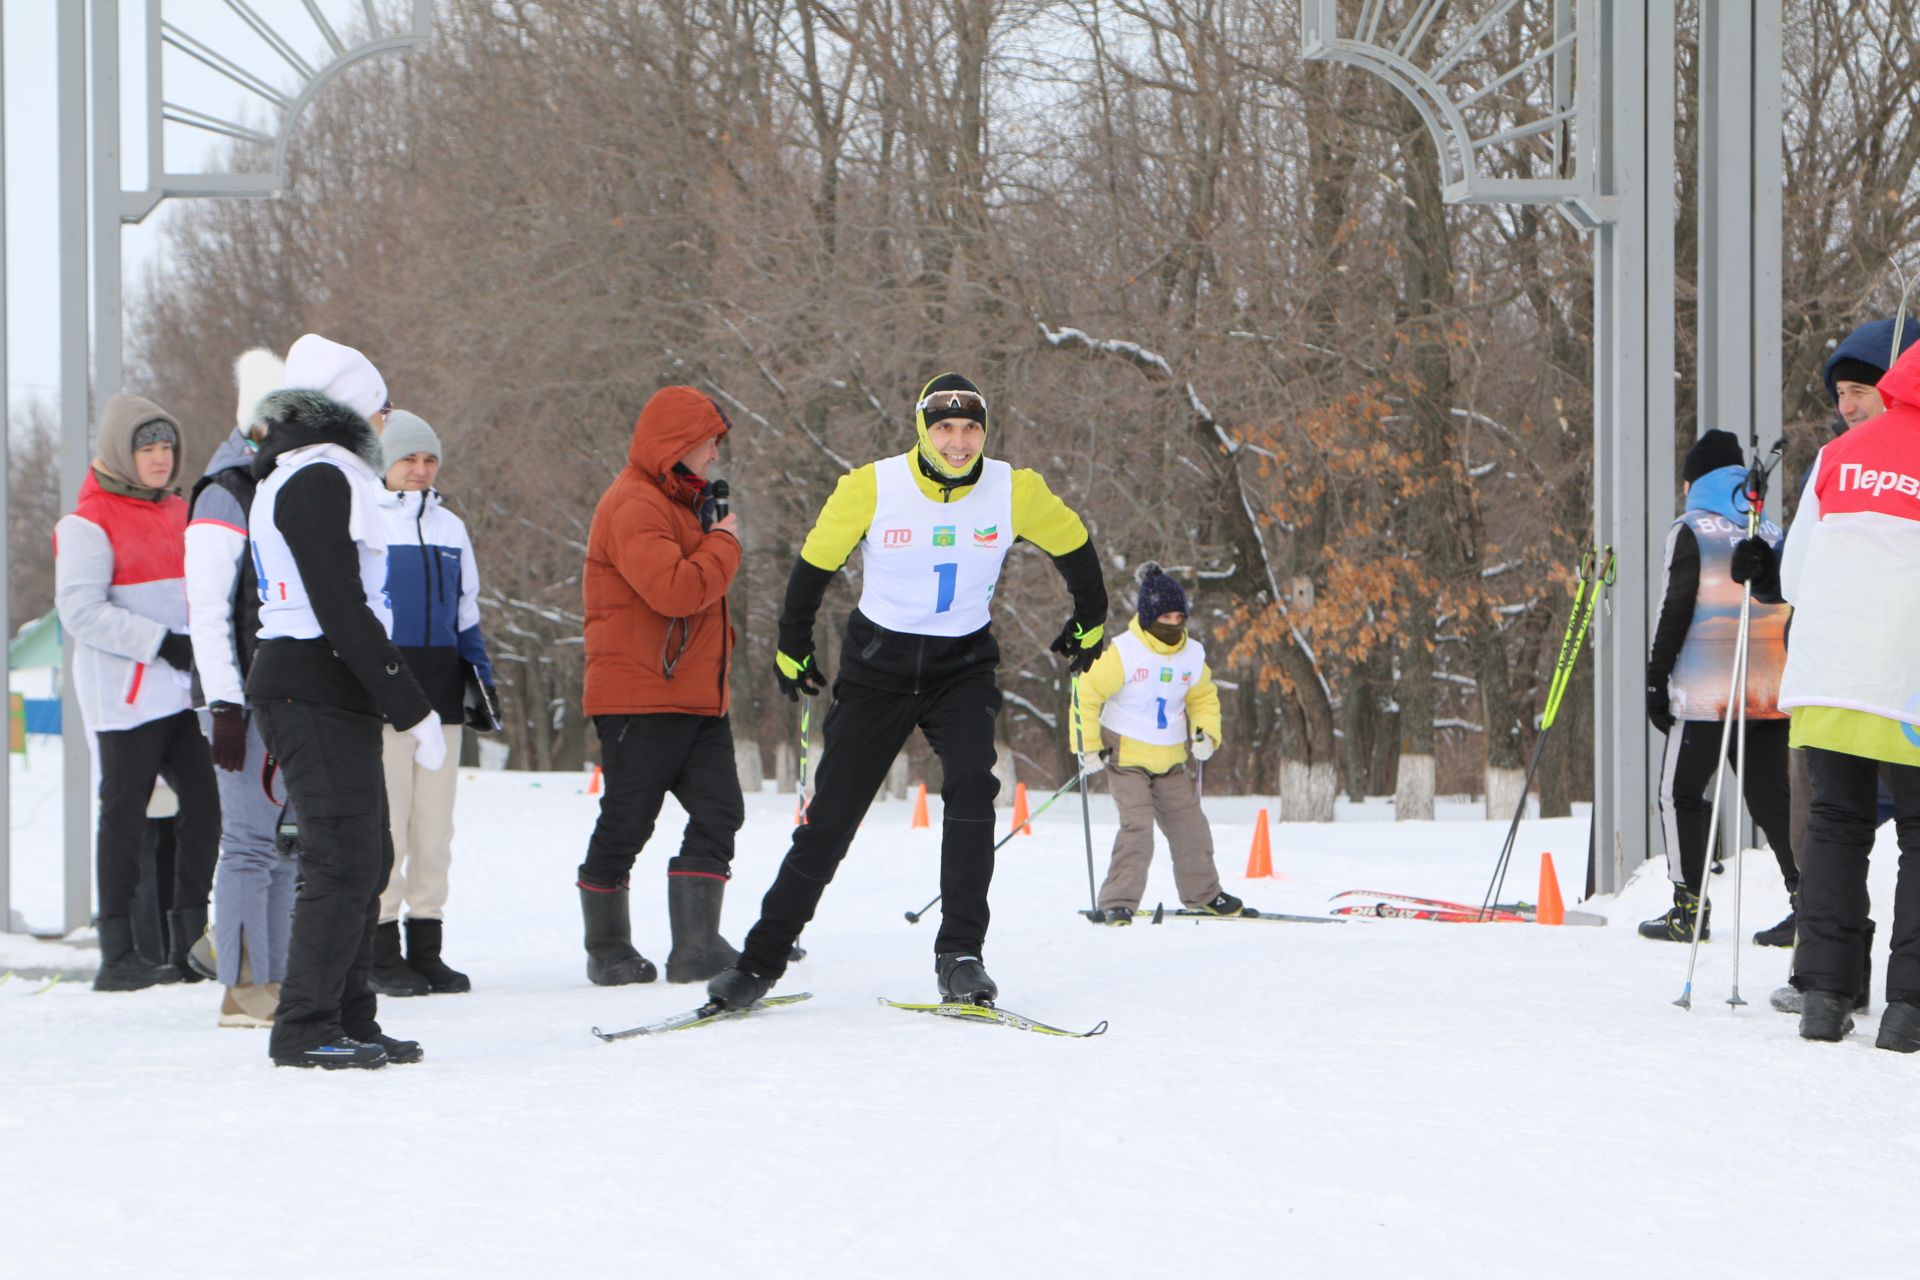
{"x": 1202, "y": 745}
{"x": 430, "y": 745}
{"x": 1091, "y": 762}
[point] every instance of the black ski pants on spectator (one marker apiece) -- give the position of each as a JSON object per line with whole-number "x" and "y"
{"x": 643, "y": 760}
{"x": 865, "y": 729}
{"x": 1686, "y": 793}
{"x": 1833, "y": 876}
{"x": 130, "y": 760}
{"x": 330, "y": 761}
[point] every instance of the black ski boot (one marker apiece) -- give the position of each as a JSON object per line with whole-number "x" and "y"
{"x": 1225, "y": 905}
{"x": 1677, "y": 924}
{"x": 611, "y": 959}
{"x": 399, "y": 1052}
{"x": 1115, "y": 916}
{"x": 423, "y": 957}
{"x": 1900, "y": 1028}
{"x": 185, "y": 926}
{"x": 336, "y": 1055}
{"x": 693, "y": 911}
{"x": 121, "y": 968}
{"x": 963, "y": 979}
{"x": 391, "y": 975}
{"x": 1824, "y": 1015}
{"x": 738, "y": 987}
{"x": 1782, "y": 934}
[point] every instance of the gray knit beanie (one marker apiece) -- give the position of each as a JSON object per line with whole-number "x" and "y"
{"x": 408, "y": 433}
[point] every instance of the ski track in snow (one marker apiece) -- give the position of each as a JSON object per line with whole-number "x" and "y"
{"x": 1376, "y": 1098}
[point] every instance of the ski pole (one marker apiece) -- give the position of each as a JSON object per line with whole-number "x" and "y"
{"x": 1736, "y": 688}
{"x": 1086, "y": 810}
{"x": 806, "y": 738}
{"x": 913, "y": 917}
{"x": 1596, "y": 572}
{"x": 1756, "y": 506}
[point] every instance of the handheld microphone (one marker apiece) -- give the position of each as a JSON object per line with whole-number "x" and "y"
{"x": 720, "y": 492}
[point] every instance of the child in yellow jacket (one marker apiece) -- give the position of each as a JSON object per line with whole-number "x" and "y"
{"x": 1147, "y": 704}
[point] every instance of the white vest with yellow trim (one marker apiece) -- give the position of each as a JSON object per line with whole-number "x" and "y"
{"x": 1152, "y": 705}
{"x": 929, "y": 568}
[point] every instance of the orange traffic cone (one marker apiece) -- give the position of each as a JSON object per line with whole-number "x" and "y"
{"x": 920, "y": 807}
{"x": 800, "y": 812}
{"x": 593, "y": 783}
{"x": 1549, "y": 910}
{"x": 1260, "y": 858}
{"x": 1020, "y": 820}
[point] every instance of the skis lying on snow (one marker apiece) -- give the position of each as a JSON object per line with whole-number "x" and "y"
{"x": 1160, "y": 913}
{"x": 1499, "y": 911}
{"x": 705, "y": 1015}
{"x": 988, "y": 1013}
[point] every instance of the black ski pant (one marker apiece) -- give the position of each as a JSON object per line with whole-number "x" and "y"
{"x": 1833, "y": 876}
{"x": 865, "y": 729}
{"x": 330, "y": 762}
{"x": 1686, "y": 800}
{"x": 130, "y": 761}
{"x": 643, "y": 760}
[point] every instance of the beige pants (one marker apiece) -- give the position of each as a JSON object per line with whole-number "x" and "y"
{"x": 1173, "y": 801}
{"x": 420, "y": 808}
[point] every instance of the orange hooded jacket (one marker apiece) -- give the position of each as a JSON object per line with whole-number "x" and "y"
{"x": 658, "y": 637}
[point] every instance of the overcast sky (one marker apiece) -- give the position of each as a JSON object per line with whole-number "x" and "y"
{"x": 32, "y": 204}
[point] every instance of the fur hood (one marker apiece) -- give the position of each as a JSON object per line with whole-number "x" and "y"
{"x": 298, "y": 419}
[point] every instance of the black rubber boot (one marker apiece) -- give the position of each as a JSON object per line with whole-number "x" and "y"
{"x": 611, "y": 959}
{"x": 121, "y": 968}
{"x": 391, "y": 975}
{"x": 1900, "y": 1028}
{"x": 185, "y": 926}
{"x": 1677, "y": 924}
{"x": 963, "y": 979}
{"x": 738, "y": 988}
{"x": 1825, "y": 1015}
{"x": 693, "y": 910}
{"x": 1787, "y": 999}
{"x": 423, "y": 956}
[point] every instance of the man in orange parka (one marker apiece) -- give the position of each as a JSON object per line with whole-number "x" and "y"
{"x": 659, "y": 642}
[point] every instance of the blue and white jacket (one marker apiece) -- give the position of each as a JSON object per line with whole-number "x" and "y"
{"x": 434, "y": 586}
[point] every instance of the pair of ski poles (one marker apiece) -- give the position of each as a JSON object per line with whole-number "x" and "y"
{"x": 1086, "y": 814}
{"x": 913, "y": 917}
{"x": 1594, "y": 577}
{"x": 1756, "y": 491}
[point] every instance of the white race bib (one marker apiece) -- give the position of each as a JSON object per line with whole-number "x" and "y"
{"x": 929, "y": 568}
{"x": 1152, "y": 705}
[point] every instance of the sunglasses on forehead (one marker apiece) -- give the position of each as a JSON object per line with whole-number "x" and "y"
{"x": 949, "y": 401}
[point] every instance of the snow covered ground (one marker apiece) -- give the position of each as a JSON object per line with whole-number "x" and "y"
{"x": 1373, "y": 1098}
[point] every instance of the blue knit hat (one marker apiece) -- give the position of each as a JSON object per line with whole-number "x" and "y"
{"x": 1158, "y": 593}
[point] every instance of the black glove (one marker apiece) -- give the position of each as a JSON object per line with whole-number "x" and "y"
{"x": 177, "y": 651}
{"x": 1752, "y": 560}
{"x": 1658, "y": 714}
{"x": 229, "y": 736}
{"x": 1079, "y": 645}
{"x": 798, "y": 672}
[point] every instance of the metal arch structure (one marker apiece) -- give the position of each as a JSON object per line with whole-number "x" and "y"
{"x": 88, "y": 63}
{"x": 1607, "y": 128}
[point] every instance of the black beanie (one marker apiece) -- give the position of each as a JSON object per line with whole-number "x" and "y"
{"x": 1848, "y": 369}
{"x": 1712, "y": 451}
{"x": 1158, "y": 593}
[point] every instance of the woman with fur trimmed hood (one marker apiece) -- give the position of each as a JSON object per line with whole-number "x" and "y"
{"x": 324, "y": 678}
{"x": 118, "y": 566}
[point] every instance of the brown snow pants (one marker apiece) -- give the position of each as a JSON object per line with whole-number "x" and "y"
{"x": 1171, "y": 799}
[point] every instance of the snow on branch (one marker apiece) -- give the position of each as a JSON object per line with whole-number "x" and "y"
{"x": 1132, "y": 352}
{"x": 1465, "y": 726}
{"x": 1052, "y": 722}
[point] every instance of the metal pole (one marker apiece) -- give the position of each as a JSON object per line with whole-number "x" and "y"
{"x": 75, "y": 451}
{"x": 6, "y": 464}
{"x": 105, "y": 104}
